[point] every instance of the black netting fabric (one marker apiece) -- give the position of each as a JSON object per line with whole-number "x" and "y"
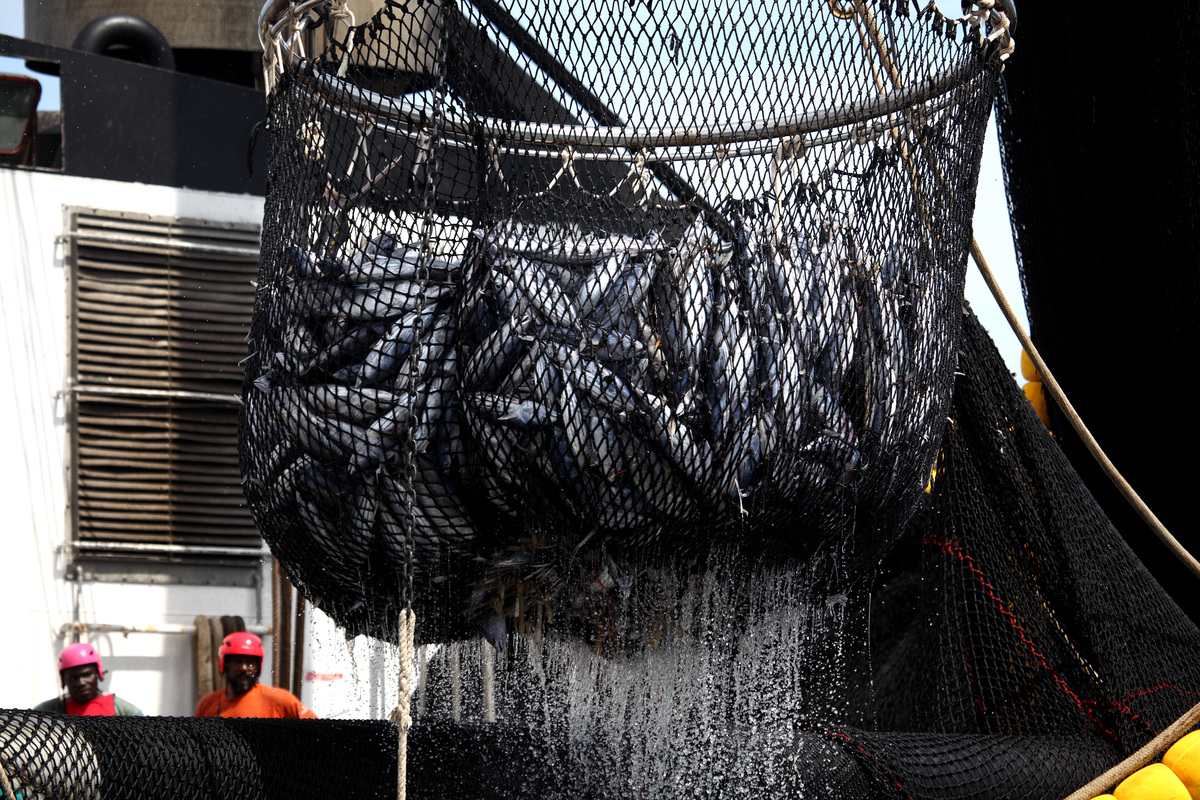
{"x": 1019, "y": 648}
{"x": 1103, "y": 327}
{"x": 1032, "y": 584}
{"x": 53, "y": 757}
{"x": 1011, "y": 646}
{"x": 544, "y": 283}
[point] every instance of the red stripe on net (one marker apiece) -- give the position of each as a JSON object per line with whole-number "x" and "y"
{"x": 954, "y": 549}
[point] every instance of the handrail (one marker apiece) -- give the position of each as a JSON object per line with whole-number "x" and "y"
{"x": 78, "y": 626}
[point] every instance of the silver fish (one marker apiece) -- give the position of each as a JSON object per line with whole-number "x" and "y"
{"x": 388, "y": 299}
{"x": 325, "y": 438}
{"x": 398, "y": 265}
{"x": 381, "y": 438}
{"x": 593, "y": 289}
{"x": 383, "y": 359}
{"x": 598, "y": 382}
{"x": 511, "y": 410}
{"x": 542, "y": 292}
{"x": 359, "y": 406}
{"x": 491, "y": 358}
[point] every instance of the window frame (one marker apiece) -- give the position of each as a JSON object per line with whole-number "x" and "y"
{"x": 181, "y": 246}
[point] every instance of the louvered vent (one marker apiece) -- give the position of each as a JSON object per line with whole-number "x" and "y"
{"x": 160, "y": 311}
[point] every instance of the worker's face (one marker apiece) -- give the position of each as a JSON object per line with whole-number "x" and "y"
{"x": 82, "y": 682}
{"x": 241, "y": 672}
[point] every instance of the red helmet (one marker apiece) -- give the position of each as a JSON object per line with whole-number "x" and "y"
{"x": 76, "y": 655}
{"x": 238, "y": 644}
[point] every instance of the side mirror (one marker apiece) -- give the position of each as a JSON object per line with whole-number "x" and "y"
{"x": 18, "y": 108}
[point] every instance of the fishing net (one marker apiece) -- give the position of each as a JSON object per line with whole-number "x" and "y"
{"x": 549, "y": 288}
{"x": 1095, "y": 334}
{"x": 1012, "y": 626}
{"x": 626, "y": 342}
{"x": 55, "y": 757}
{"x": 1009, "y": 646}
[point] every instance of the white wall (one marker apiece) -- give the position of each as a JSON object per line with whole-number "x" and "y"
{"x": 155, "y": 671}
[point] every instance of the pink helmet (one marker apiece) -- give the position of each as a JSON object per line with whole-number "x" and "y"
{"x": 238, "y": 644}
{"x": 76, "y": 655}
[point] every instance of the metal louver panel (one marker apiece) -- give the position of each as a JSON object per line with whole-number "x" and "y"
{"x": 160, "y": 309}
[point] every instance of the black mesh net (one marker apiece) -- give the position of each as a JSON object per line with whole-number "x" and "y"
{"x": 1009, "y": 646}
{"x": 1102, "y": 325}
{"x": 626, "y": 342}
{"x": 545, "y": 284}
{"x": 54, "y": 757}
{"x": 1012, "y": 626}
{"x": 620, "y": 341}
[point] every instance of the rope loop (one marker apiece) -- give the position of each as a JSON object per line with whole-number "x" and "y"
{"x": 641, "y": 177}
{"x": 984, "y": 15}
{"x": 402, "y": 714}
{"x": 339, "y": 11}
{"x": 493, "y": 155}
{"x": 568, "y": 168}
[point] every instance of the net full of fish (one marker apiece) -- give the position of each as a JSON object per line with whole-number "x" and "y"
{"x": 364, "y": 369}
{"x": 637, "y": 386}
{"x": 633, "y": 387}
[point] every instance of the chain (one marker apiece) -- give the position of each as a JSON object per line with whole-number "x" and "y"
{"x": 427, "y": 157}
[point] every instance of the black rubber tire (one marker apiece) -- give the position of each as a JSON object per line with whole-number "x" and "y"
{"x": 146, "y": 43}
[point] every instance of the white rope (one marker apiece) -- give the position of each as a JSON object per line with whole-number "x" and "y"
{"x": 984, "y": 11}
{"x": 1093, "y": 447}
{"x": 494, "y": 158}
{"x": 640, "y": 177}
{"x": 567, "y": 168}
{"x": 9, "y": 792}
{"x": 283, "y": 39}
{"x": 345, "y": 65}
{"x": 401, "y": 715}
{"x": 269, "y": 56}
{"x": 790, "y": 149}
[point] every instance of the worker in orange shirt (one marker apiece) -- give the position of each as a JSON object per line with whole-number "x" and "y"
{"x": 240, "y": 661}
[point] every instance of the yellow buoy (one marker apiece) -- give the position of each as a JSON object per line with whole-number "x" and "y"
{"x": 1104, "y": 797}
{"x": 1183, "y": 758}
{"x": 1028, "y": 370}
{"x": 1155, "y": 782}
{"x": 1036, "y": 394}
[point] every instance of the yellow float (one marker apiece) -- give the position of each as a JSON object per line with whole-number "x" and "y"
{"x": 1183, "y": 758}
{"x": 1034, "y": 390}
{"x": 1153, "y": 782}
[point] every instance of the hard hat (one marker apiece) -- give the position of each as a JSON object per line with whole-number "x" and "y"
{"x": 238, "y": 644}
{"x": 76, "y": 655}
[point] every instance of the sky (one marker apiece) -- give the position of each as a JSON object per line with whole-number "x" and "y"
{"x": 992, "y": 228}
{"x": 12, "y": 22}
